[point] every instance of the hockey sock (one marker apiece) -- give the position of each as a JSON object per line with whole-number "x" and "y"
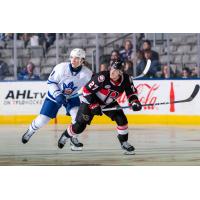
{"x": 122, "y": 138}
{"x": 38, "y": 122}
{"x": 73, "y": 113}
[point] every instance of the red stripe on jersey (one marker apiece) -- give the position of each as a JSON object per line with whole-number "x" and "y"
{"x": 104, "y": 91}
{"x": 116, "y": 83}
{"x": 120, "y": 94}
{"x": 86, "y": 91}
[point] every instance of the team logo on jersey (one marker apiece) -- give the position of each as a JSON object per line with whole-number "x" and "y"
{"x": 101, "y": 78}
{"x": 69, "y": 88}
{"x": 113, "y": 94}
{"x": 86, "y": 117}
{"x": 107, "y": 86}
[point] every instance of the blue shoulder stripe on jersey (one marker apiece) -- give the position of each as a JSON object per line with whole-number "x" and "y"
{"x": 50, "y": 82}
{"x": 50, "y": 95}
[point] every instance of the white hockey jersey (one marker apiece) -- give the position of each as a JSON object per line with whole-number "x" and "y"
{"x": 63, "y": 80}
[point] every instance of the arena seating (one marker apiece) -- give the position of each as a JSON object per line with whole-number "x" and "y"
{"x": 182, "y": 50}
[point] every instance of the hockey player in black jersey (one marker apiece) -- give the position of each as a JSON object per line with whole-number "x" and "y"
{"x": 101, "y": 92}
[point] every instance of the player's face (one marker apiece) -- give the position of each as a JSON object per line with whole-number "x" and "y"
{"x": 75, "y": 61}
{"x": 115, "y": 74}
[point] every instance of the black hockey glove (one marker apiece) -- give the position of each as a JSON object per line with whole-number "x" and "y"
{"x": 95, "y": 109}
{"x": 136, "y": 105}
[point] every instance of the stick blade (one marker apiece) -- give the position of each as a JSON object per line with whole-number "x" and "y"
{"x": 148, "y": 65}
{"x": 195, "y": 92}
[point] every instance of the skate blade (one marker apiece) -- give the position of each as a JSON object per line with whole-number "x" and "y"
{"x": 129, "y": 153}
{"x": 73, "y": 148}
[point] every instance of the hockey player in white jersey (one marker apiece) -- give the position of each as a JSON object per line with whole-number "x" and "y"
{"x": 65, "y": 80}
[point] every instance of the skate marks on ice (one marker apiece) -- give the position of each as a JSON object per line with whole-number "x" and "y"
{"x": 155, "y": 145}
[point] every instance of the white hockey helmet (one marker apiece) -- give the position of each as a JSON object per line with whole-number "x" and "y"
{"x": 79, "y": 53}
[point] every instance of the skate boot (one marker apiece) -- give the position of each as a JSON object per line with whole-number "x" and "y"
{"x": 129, "y": 149}
{"x": 75, "y": 144}
{"x": 63, "y": 139}
{"x": 26, "y": 137}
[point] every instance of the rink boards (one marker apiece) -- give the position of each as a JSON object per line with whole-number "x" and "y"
{"x": 20, "y": 102}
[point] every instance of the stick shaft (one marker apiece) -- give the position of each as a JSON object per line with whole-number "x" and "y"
{"x": 192, "y": 96}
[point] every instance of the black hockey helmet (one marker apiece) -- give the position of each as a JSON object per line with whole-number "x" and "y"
{"x": 117, "y": 65}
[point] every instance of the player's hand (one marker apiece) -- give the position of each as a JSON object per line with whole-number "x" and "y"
{"x": 95, "y": 109}
{"x": 136, "y": 105}
{"x": 60, "y": 99}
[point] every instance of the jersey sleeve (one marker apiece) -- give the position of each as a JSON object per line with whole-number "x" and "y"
{"x": 130, "y": 90}
{"x": 53, "y": 80}
{"x": 92, "y": 87}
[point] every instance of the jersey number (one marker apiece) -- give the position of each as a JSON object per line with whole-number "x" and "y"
{"x": 93, "y": 86}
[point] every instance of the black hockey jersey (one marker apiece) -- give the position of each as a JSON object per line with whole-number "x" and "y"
{"x": 101, "y": 89}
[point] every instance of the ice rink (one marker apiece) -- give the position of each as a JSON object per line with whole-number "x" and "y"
{"x": 155, "y": 145}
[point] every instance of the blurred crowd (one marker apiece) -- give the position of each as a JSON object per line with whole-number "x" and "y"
{"x": 31, "y": 39}
{"x": 134, "y": 61}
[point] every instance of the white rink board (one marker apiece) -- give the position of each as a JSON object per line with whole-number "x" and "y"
{"x": 22, "y": 98}
{"x": 26, "y": 98}
{"x": 160, "y": 91}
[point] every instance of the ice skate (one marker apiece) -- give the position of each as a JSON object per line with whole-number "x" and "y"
{"x": 75, "y": 144}
{"x": 26, "y": 137}
{"x": 63, "y": 139}
{"x": 129, "y": 149}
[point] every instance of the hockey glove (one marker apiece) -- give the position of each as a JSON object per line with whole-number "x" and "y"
{"x": 136, "y": 105}
{"x": 60, "y": 100}
{"x": 95, "y": 109}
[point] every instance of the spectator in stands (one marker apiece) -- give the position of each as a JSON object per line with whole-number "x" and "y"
{"x": 127, "y": 52}
{"x": 3, "y": 70}
{"x": 103, "y": 67}
{"x": 194, "y": 73}
{"x": 34, "y": 40}
{"x": 154, "y": 68}
{"x": 46, "y": 40}
{"x": 186, "y": 73}
{"x": 115, "y": 56}
{"x": 167, "y": 72}
{"x": 28, "y": 73}
{"x": 147, "y": 46}
{"x": 25, "y": 37}
{"x": 7, "y": 36}
{"x": 2, "y": 35}
{"x": 128, "y": 67}
{"x": 139, "y": 56}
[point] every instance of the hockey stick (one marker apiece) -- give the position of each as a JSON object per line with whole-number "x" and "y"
{"x": 146, "y": 69}
{"x": 192, "y": 96}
